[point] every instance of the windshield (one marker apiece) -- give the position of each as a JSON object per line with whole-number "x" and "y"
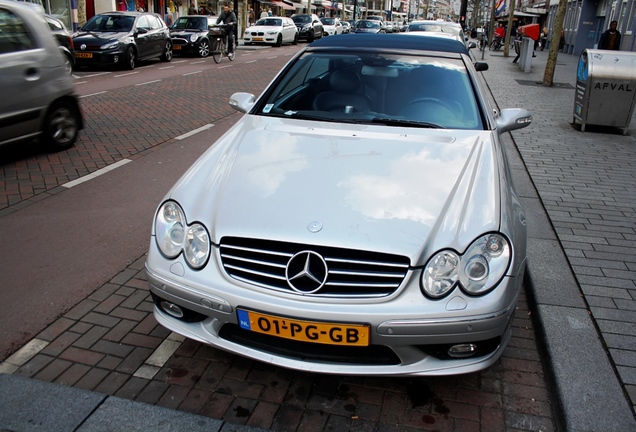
{"x": 109, "y": 23}
{"x": 328, "y": 21}
{"x": 367, "y": 24}
{"x": 191, "y": 23}
{"x": 302, "y": 19}
{"x": 270, "y": 22}
{"x": 391, "y": 89}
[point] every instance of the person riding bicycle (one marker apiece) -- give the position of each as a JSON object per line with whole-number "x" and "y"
{"x": 228, "y": 17}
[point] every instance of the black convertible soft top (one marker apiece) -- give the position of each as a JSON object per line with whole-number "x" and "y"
{"x": 397, "y": 42}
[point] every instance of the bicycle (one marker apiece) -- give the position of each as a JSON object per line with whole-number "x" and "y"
{"x": 219, "y": 44}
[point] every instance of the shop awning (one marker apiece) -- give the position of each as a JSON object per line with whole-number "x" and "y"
{"x": 283, "y": 5}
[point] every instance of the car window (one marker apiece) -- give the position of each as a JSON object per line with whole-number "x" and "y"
{"x": 401, "y": 90}
{"x": 109, "y": 23}
{"x": 142, "y": 23}
{"x": 13, "y": 34}
{"x": 302, "y": 19}
{"x": 274, "y": 22}
{"x": 328, "y": 21}
{"x": 155, "y": 22}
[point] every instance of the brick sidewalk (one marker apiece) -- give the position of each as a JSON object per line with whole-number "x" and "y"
{"x": 110, "y": 343}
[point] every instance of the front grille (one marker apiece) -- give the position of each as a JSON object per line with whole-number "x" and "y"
{"x": 351, "y": 273}
{"x": 370, "y": 355}
{"x": 257, "y": 33}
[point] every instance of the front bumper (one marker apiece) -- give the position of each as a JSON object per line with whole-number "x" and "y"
{"x": 99, "y": 58}
{"x": 260, "y": 38}
{"x": 404, "y": 339}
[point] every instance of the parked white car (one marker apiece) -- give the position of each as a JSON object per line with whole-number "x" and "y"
{"x": 332, "y": 26}
{"x": 272, "y": 31}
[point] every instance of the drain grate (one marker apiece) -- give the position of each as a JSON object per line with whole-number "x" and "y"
{"x": 539, "y": 83}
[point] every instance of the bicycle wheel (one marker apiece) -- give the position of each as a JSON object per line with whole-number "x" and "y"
{"x": 217, "y": 50}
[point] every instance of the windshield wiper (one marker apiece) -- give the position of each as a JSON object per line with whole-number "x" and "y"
{"x": 401, "y": 122}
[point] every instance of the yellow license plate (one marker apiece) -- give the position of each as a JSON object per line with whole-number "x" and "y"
{"x": 306, "y": 331}
{"x": 84, "y": 55}
{"x": 176, "y": 47}
{"x": 258, "y": 39}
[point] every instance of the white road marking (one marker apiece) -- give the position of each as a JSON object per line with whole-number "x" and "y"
{"x": 193, "y": 132}
{"x": 96, "y": 173}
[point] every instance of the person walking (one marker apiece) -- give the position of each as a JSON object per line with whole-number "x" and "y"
{"x": 611, "y": 39}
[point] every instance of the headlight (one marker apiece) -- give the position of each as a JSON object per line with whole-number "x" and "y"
{"x": 478, "y": 270}
{"x": 193, "y": 38}
{"x": 197, "y": 246}
{"x": 173, "y": 235}
{"x": 109, "y": 45}
{"x": 272, "y": 32}
{"x": 306, "y": 26}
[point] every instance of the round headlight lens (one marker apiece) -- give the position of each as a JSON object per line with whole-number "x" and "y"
{"x": 169, "y": 229}
{"x": 440, "y": 274}
{"x": 193, "y": 38}
{"x": 197, "y": 246}
{"x": 484, "y": 264}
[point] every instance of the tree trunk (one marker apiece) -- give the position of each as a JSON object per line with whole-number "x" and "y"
{"x": 511, "y": 16}
{"x": 550, "y": 66}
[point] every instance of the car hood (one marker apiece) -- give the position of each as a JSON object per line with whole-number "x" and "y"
{"x": 263, "y": 28}
{"x": 186, "y": 33}
{"x": 97, "y": 38}
{"x": 394, "y": 190}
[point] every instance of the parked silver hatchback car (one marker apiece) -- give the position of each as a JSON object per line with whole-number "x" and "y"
{"x": 38, "y": 97}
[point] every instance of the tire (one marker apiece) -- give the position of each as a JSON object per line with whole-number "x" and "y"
{"x": 61, "y": 125}
{"x": 130, "y": 58}
{"x": 204, "y": 48}
{"x": 295, "y": 41}
{"x": 217, "y": 51}
{"x": 310, "y": 37}
{"x": 167, "y": 52}
{"x": 279, "y": 40}
{"x": 68, "y": 65}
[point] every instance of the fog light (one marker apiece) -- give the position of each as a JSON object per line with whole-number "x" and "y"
{"x": 172, "y": 309}
{"x": 462, "y": 350}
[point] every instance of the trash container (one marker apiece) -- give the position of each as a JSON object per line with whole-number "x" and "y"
{"x": 605, "y": 88}
{"x": 530, "y": 35}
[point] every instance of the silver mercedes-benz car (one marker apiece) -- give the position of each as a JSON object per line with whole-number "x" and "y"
{"x": 359, "y": 219}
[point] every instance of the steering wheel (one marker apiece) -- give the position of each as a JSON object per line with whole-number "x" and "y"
{"x": 429, "y": 109}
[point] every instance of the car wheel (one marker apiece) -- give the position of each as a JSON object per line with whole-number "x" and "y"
{"x": 310, "y": 37}
{"x": 68, "y": 64}
{"x": 61, "y": 126}
{"x": 279, "y": 40}
{"x": 167, "y": 52}
{"x": 204, "y": 48}
{"x": 130, "y": 58}
{"x": 295, "y": 41}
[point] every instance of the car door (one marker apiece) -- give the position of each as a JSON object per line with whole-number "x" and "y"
{"x": 25, "y": 67}
{"x": 289, "y": 30}
{"x": 146, "y": 45}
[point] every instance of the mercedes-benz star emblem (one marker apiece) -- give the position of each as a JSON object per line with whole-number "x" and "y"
{"x": 306, "y": 272}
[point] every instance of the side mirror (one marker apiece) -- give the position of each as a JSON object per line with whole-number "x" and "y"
{"x": 141, "y": 31}
{"x": 481, "y": 66}
{"x": 242, "y": 102}
{"x": 512, "y": 119}
{"x": 471, "y": 45}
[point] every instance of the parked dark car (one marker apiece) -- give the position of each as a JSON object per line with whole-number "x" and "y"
{"x": 64, "y": 39}
{"x": 122, "y": 39}
{"x": 309, "y": 26}
{"x": 191, "y": 35}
